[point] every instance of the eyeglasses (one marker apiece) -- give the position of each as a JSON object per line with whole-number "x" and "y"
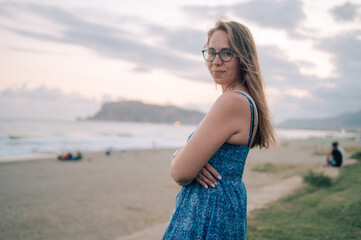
{"x": 225, "y": 55}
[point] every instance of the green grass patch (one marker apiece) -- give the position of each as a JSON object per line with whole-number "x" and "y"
{"x": 317, "y": 179}
{"x": 313, "y": 212}
{"x": 352, "y": 148}
{"x": 356, "y": 155}
{"x": 285, "y": 170}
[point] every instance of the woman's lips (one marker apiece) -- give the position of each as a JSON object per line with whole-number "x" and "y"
{"x": 218, "y": 72}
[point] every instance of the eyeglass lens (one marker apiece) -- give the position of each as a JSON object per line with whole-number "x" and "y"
{"x": 226, "y": 55}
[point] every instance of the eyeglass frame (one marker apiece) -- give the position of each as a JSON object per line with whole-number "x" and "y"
{"x": 218, "y": 53}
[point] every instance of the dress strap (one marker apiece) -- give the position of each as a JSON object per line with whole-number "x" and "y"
{"x": 250, "y": 100}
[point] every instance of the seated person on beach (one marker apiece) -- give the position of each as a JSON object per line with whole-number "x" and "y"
{"x": 69, "y": 156}
{"x": 336, "y": 156}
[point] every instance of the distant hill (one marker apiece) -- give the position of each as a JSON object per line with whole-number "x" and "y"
{"x": 136, "y": 111}
{"x": 342, "y": 121}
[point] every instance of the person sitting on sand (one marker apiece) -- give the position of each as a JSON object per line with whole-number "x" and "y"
{"x": 69, "y": 156}
{"x": 336, "y": 156}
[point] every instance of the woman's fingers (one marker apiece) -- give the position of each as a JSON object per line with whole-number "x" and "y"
{"x": 212, "y": 171}
{"x": 201, "y": 182}
{"x": 208, "y": 178}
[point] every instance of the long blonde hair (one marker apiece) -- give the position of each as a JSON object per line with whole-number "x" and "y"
{"x": 241, "y": 40}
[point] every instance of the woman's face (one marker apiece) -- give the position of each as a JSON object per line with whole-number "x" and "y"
{"x": 223, "y": 73}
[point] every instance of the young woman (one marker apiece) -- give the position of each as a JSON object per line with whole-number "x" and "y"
{"x": 213, "y": 201}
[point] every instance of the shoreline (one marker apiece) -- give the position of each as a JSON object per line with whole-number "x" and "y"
{"x": 53, "y": 155}
{"x": 39, "y": 140}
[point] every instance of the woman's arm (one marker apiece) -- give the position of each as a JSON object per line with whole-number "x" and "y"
{"x": 230, "y": 114}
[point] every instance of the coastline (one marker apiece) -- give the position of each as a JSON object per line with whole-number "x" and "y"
{"x": 39, "y": 139}
{"x": 126, "y": 193}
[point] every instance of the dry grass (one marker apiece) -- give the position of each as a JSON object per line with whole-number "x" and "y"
{"x": 284, "y": 170}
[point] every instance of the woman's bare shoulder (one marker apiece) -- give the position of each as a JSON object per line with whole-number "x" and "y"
{"x": 232, "y": 101}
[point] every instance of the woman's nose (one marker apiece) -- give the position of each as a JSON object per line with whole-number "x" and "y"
{"x": 217, "y": 60}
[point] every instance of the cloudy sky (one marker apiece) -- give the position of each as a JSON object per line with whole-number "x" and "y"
{"x": 63, "y": 58}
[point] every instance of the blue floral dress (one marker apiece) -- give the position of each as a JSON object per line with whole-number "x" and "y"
{"x": 215, "y": 213}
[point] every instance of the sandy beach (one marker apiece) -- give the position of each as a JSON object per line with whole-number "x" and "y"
{"x": 125, "y": 194}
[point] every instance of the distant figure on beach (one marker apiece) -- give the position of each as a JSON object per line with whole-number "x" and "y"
{"x": 108, "y": 151}
{"x": 69, "y": 156}
{"x": 212, "y": 203}
{"x": 336, "y": 156}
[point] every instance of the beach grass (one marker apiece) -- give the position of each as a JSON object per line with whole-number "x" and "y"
{"x": 284, "y": 170}
{"x": 317, "y": 179}
{"x": 314, "y": 212}
{"x": 356, "y": 155}
{"x": 354, "y": 149}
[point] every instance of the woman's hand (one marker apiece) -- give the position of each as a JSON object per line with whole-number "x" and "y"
{"x": 208, "y": 176}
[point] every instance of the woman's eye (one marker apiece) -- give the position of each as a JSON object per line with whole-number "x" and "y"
{"x": 227, "y": 53}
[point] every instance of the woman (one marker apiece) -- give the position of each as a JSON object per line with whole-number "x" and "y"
{"x": 213, "y": 202}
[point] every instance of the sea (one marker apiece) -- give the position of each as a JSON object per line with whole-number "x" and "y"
{"x": 29, "y": 139}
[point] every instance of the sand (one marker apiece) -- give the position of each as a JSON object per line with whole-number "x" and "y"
{"x": 127, "y": 195}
